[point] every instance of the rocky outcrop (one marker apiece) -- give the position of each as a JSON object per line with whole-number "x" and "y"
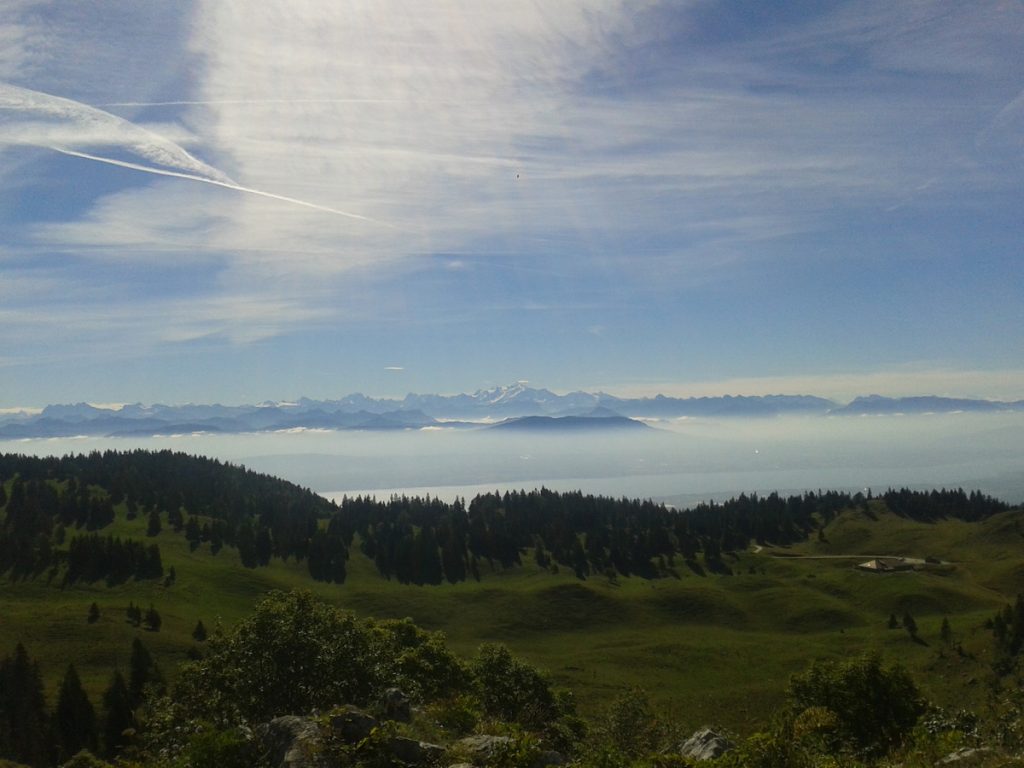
{"x": 291, "y": 742}
{"x": 351, "y": 725}
{"x": 484, "y": 748}
{"x": 705, "y": 744}
{"x": 303, "y": 742}
{"x": 396, "y": 705}
{"x": 965, "y": 757}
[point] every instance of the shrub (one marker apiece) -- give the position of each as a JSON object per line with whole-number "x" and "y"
{"x": 875, "y": 708}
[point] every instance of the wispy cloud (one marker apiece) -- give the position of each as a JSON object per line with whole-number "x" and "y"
{"x": 274, "y": 168}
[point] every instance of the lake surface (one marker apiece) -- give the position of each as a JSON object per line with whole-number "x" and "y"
{"x": 680, "y": 462}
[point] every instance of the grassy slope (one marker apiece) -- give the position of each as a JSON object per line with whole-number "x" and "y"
{"x": 712, "y": 649}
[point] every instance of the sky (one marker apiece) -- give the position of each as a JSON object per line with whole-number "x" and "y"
{"x": 226, "y": 201}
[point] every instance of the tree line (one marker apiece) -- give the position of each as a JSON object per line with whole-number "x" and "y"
{"x": 410, "y": 539}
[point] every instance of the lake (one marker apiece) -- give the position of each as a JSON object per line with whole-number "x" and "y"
{"x": 680, "y": 462}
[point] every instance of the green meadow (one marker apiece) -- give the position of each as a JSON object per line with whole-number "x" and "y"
{"x": 706, "y": 648}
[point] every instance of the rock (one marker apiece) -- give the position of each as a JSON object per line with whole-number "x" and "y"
{"x": 415, "y": 752}
{"x": 291, "y": 742}
{"x": 966, "y": 756}
{"x": 351, "y": 725}
{"x": 397, "y": 705}
{"x": 484, "y": 747}
{"x": 705, "y": 744}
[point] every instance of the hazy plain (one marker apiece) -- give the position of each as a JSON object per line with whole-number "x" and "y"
{"x": 679, "y": 461}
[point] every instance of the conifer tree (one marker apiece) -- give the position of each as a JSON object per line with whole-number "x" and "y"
{"x": 152, "y": 619}
{"x": 946, "y": 632}
{"x": 118, "y": 716}
{"x": 909, "y": 624}
{"x": 199, "y": 633}
{"x": 74, "y": 718}
{"x": 94, "y": 613}
{"x": 143, "y": 672}
{"x": 23, "y": 718}
{"x": 153, "y": 526}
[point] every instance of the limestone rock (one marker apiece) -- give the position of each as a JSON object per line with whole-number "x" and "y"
{"x": 484, "y": 747}
{"x": 351, "y": 725}
{"x": 705, "y": 744}
{"x": 966, "y": 756}
{"x": 291, "y": 742}
{"x": 415, "y": 752}
{"x": 396, "y": 705}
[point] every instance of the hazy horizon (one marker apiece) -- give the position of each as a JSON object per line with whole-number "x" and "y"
{"x": 687, "y": 460}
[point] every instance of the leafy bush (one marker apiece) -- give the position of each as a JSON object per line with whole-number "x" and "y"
{"x": 510, "y": 689}
{"x": 874, "y": 708}
{"x": 294, "y": 654}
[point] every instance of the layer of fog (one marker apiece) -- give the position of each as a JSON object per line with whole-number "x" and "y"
{"x": 681, "y": 462}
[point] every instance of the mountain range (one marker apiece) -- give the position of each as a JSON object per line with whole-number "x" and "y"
{"x": 516, "y": 406}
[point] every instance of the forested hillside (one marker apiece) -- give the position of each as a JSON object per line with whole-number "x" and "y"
{"x": 54, "y": 507}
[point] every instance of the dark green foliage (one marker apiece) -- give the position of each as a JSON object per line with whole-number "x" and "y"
{"x": 199, "y": 633}
{"x": 74, "y": 720}
{"x": 133, "y": 614}
{"x": 94, "y": 613}
{"x": 119, "y": 720}
{"x": 153, "y": 526}
{"x": 85, "y": 759}
{"x": 24, "y": 724}
{"x": 909, "y": 624}
{"x": 629, "y": 727}
{"x": 509, "y": 689}
{"x": 893, "y": 622}
{"x": 93, "y": 557}
{"x": 144, "y": 676}
{"x": 152, "y": 619}
{"x": 417, "y": 661}
{"x": 875, "y": 707}
{"x": 294, "y": 654}
{"x": 946, "y": 632}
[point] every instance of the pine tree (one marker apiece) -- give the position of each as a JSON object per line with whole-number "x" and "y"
{"x": 94, "y": 613}
{"x": 153, "y": 527}
{"x": 946, "y": 632}
{"x": 909, "y": 624}
{"x": 118, "y": 716}
{"x": 74, "y": 718}
{"x": 143, "y": 672}
{"x": 23, "y": 717}
{"x": 199, "y": 633}
{"x": 893, "y": 623}
{"x": 152, "y": 619}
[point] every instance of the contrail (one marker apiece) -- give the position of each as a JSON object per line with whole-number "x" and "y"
{"x": 214, "y": 102}
{"x": 128, "y": 136}
{"x": 123, "y": 133}
{"x": 216, "y": 183}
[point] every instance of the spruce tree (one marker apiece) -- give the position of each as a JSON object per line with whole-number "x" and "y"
{"x": 946, "y": 632}
{"x": 94, "y": 613}
{"x": 199, "y": 633}
{"x": 118, "y": 716}
{"x": 152, "y": 619}
{"x": 74, "y": 719}
{"x": 23, "y": 718}
{"x": 143, "y": 672}
{"x": 153, "y": 527}
{"x": 909, "y": 624}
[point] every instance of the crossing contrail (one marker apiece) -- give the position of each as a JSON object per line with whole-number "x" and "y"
{"x": 215, "y": 182}
{"x": 164, "y": 157}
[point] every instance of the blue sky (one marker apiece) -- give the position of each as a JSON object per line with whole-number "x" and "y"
{"x": 226, "y": 201}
